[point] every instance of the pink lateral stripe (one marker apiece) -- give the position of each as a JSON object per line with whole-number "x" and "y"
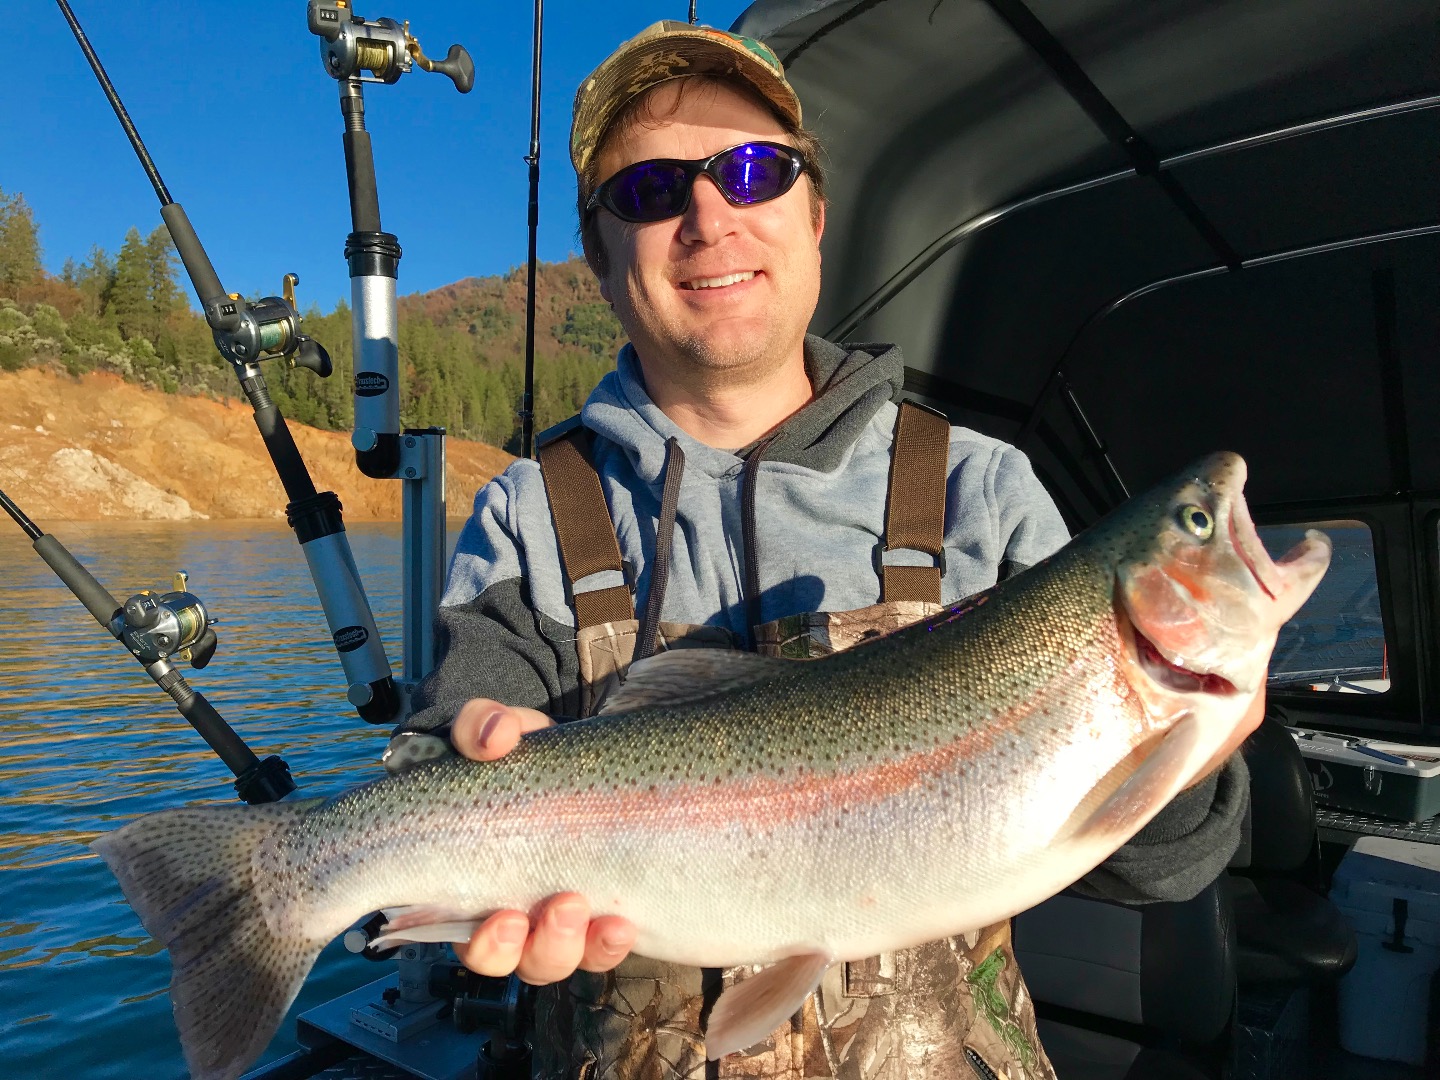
{"x": 778, "y": 800}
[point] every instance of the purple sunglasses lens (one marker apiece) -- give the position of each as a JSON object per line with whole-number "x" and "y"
{"x": 752, "y": 173}
{"x": 651, "y": 190}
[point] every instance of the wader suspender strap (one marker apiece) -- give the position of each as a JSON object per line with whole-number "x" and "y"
{"x": 915, "y": 506}
{"x": 582, "y": 525}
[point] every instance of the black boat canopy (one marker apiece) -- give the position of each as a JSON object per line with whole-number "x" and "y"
{"x": 1191, "y": 224}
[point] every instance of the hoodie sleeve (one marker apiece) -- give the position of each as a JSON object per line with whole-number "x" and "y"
{"x": 492, "y": 640}
{"x": 1030, "y": 525}
{"x": 1183, "y": 849}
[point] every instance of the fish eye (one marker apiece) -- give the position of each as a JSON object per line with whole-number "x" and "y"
{"x": 1197, "y": 521}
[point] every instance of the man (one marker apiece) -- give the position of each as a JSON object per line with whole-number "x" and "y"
{"x": 746, "y": 495}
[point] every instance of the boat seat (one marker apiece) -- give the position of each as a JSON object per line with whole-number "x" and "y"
{"x": 1287, "y": 931}
{"x": 1125, "y": 993}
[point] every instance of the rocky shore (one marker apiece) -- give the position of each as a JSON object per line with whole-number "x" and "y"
{"x": 95, "y": 447}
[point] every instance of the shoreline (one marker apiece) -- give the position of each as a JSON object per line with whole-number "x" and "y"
{"x": 96, "y": 448}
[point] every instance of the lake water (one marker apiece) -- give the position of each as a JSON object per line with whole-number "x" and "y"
{"x": 88, "y": 742}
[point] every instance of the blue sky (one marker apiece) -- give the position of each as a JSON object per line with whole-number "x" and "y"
{"x": 245, "y": 126}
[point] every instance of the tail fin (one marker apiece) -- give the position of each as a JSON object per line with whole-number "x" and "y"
{"x": 187, "y": 873}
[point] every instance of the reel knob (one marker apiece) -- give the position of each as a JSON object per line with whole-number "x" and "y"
{"x": 457, "y": 67}
{"x": 142, "y": 611}
{"x": 312, "y": 356}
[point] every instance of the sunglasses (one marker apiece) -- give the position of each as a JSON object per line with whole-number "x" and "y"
{"x": 747, "y": 174}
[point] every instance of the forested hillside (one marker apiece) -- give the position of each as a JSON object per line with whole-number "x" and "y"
{"x": 461, "y": 347}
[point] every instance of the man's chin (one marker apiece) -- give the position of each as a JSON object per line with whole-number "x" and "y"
{"x": 738, "y": 344}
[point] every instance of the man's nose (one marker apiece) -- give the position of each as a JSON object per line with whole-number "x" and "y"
{"x": 709, "y": 216}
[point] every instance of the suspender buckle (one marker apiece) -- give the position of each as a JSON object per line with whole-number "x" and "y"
{"x": 877, "y": 558}
{"x": 596, "y": 581}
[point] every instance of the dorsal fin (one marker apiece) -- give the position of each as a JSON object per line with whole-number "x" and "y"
{"x": 686, "y": 675}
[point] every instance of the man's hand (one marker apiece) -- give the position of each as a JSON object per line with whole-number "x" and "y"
{"x": 563, "y": 937}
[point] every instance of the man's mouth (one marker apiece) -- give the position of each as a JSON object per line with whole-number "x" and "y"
{"x": 717, "y": 282}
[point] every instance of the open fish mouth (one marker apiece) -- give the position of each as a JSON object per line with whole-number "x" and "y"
{"x": 1203, "y": 604}
{"x": 1171, "y": 675}
{"x": 1163, "y": 671}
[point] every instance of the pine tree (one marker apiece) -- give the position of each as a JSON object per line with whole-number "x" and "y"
{"x": 165, "y": 294}
{"x": 93, "y": 278}
{"x": 127, "y": 303}
{"x": 19, "y": 245}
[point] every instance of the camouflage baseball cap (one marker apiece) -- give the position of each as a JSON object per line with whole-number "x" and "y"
{"x": 669, "y": 50}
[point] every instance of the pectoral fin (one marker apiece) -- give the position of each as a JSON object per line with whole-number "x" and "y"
{"x": 750, "y": 1010}
{"x": 1130, "y": 795}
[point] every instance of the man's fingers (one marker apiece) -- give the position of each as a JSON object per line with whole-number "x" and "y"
{"x": 607, "y": 943}
{"x": 484, "y": 730}
{"x": 495, "y": 948}
{"x": 557, "y": 944}
{"x": 563, "y": 939}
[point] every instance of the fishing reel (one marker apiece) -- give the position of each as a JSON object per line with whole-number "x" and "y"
{"x": 268, "y": 327}
{"x": 352, "y": 45}
{"x": 157, "y": 626}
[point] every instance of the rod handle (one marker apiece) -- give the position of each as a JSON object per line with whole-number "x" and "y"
{"x": 197, "y": 264}
{"x": 78, "y": 580}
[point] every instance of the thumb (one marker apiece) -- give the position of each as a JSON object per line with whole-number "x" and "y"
{"x": 484, "y": 729}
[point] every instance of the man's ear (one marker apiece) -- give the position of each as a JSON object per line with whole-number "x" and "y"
{"x": 820, "y": 222}
{"x": 597, "y": 264}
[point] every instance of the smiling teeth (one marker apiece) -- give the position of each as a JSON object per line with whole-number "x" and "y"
{"x": 719, "y": 282}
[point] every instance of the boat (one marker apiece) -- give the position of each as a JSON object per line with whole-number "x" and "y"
{"x": 1120, "y": 234}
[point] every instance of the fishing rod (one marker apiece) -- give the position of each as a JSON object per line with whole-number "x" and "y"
{"x": 354, "y": 51}
{"x": 532, "y": 159}
{"x": 247, "y": 332}
{"x": 157, "y": 628}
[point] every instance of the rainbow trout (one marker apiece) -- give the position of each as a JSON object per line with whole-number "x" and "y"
{"x": 746, "y": 810}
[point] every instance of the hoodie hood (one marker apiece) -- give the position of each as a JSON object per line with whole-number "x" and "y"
{"x": 851, "y": 382}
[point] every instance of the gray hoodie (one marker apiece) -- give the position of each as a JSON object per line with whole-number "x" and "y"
{"x": 507, "y": 631}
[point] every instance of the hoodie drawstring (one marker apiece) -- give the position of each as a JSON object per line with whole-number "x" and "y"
{"x": 649, "y": 641}
{"x": 751, "y": 541}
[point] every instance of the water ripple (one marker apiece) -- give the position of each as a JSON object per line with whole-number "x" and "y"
{"x": 87, "y": 743}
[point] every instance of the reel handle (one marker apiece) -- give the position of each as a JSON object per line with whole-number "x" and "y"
{"x": 457, "y": 67}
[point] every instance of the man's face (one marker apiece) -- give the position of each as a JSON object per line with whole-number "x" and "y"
{"x": 665, "y": 277}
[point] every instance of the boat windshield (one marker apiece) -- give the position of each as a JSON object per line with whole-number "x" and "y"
{"x": 1336, "y": 642}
